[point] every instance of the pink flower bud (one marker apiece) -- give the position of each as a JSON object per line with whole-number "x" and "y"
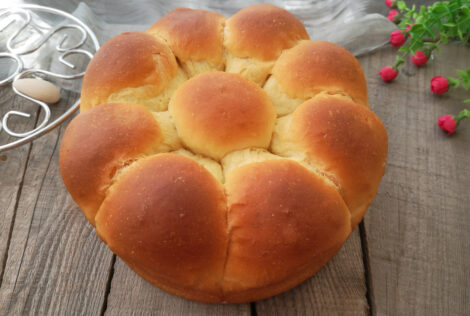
{"x": 408, "y": 28}
{"x": 390, "y": 3}
{"x": 388, "y": 73}
{"x": 447, "y": 124}
{"x": 439, "y": 85}
{"x": 420, "y": 58}
{"x": 393, "y": 15}
{"x": 397, "y": 38}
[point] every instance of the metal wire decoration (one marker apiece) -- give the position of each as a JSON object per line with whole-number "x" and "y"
{"x": 22, "y": 17}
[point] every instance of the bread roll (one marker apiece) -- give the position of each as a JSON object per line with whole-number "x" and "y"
{"x": 98, "y": 143}
{"x": 342, "y": 139}
{"x": 195, "y": 37}
{"x": 313, "y": 67}
{"x": 132, "y": 67}
{"x": 216, "y": 113}
{"x": 256, "y": 36}
{"x": 222, "y": 186}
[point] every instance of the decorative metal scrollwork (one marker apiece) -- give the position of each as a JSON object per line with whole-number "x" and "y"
{"x": 22, "y": 18}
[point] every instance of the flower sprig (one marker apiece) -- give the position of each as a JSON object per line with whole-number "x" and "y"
{"x": 421, "y": 31}
{"x": 424, "y": 29}
{"x": 449, "y": 123}
{"x": 440, "y": 85}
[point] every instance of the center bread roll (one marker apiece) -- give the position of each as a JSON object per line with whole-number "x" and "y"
{"x": 216, "y": 113}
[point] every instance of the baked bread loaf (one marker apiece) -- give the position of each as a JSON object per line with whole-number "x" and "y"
{"x": 224, "y": 160}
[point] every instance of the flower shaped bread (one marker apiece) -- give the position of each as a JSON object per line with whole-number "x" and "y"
{"x": 224, "y": 160}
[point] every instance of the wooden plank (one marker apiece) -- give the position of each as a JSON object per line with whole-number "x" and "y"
{"x": 131, "y": 295}
{"x": 339, "y": 288}
{"x": 55, "y": 260}
{"x": 12, "y": 168}
{"x": 418, "y": 235}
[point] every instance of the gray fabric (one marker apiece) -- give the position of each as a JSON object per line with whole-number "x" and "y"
{"x": 354, "y": 24}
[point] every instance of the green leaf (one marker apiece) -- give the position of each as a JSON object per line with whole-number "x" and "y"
{"x": 465, "y": 78}
{"x": 467, "y": 101}
{"x": 401, "y": 5}
{"x": 464, "y": 114}
{"x": 454, "y": 82}
{"x": 405, "y": 49}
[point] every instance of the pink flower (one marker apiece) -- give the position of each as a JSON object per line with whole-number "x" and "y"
{"x": 447, "y": 124}
{"x": 388, "y": 73}
{"x": 393, "y": 15}
{"x": 408, "y": 28}
{"x": 390, "y": 3}
{"x": 420, "y": 58}
{"x": 397, "y": 38}
{"x": 439, "y": 85}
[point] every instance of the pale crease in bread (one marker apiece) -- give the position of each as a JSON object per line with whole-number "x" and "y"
{"x": 148, "y": 96}
{"x": 171, "y": 140}
{"x": 283, "y": 103}
{"x": 238, "y": 158}
{"x": 193, "y": 68}
{"x": 211, "y": 165}
{"x": 253, "y": 69}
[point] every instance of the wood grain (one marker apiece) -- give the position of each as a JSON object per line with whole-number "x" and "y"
{"x": 55, "y": 261}
{"x": 12, "y": 168}
{"x": 418, "y": 235}
{"x": 131, "y": 295}
{"x": 339, "y": 288}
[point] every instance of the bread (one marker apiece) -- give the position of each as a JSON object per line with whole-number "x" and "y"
{"x": 224, "y": 160}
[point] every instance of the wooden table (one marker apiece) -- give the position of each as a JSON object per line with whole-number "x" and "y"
{"x": 410, "y": 256}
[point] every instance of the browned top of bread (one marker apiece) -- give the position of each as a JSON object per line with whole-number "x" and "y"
{"x": 281, "y": 217}
{"x": 262, "y": 31}
{"x": 128, "y": 60}
{"x": 315, "y": 66}
{"x": 216, "y": 113}
{"x": 100, "y": 142}
{"x": 347, "y": 140}
{"x": 192, "y": 34}
{"x": 172, "y": 228}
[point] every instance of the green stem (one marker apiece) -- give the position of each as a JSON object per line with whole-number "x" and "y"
{"x": 464, "y": 114}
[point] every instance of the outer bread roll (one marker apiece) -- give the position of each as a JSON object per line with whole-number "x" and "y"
{"x": 256, "y": 36}
{"x": 195, "y": 37}
{"x": 132, "y": 67}
{"x": 313, "y": 67}
{"x": 224, "y": 186}
{"x": 98, "y": 144}
{"x": 343, "y": 139}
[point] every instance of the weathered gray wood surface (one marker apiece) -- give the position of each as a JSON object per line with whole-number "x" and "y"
{"x": 411, "y": 256}
{"x": 337, "y": 289}
{"x": 418, "y": 228}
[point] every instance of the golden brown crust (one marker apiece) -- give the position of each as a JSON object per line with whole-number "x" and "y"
{"x": 128, "y": 60}
{"x": 166, "y": 217}
{"x": 262, "y": 31}
{"x": 278, "y": 218}
{"x": 97, "y": 143}
{"x": 192, "y": 34}
{"x": 314, "y": 66}
{"x": 282, "y": 219}
{"x": 347, "y": 140}
{"x": 218, "y": 112}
